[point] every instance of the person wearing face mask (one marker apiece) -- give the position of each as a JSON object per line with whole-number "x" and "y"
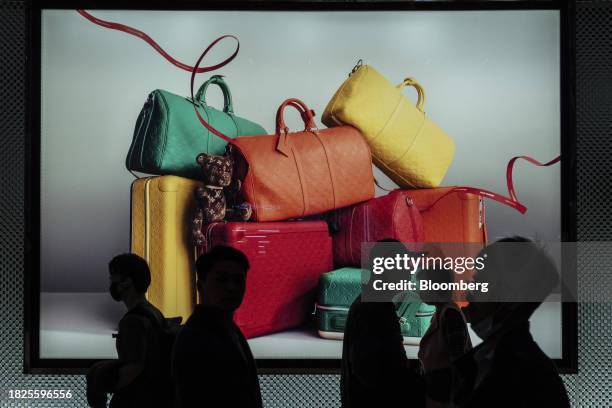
{"x": 508, "y": 369}
{"x": 140, "y": 377}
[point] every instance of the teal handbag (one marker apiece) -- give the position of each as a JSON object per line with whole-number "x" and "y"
{"x": 168, "y": 134}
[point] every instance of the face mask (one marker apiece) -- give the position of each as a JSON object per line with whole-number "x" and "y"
{"x": 485, "y": 328}
{"x": 114, "y": 292}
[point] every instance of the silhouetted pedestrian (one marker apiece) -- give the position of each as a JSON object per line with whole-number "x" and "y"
{"x": 509, "y": 369}
{"x": 446, "y": 339}
{"x": 140, "y": 377}
{"x": 375, "y": 369}
{"x": 212, "y": 362}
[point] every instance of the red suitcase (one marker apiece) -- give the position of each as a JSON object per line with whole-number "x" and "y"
{"x": 287, "y": 259}
{"x": 394, "y": 215}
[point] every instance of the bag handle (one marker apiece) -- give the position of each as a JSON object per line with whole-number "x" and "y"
{"x": 228, "y": 107}
{"x": 193, "y": 73}
{"x": 511, "y": 201}
{"x": 420, "y": 105}
{"x": 282, "y": 129}
{"x": 194, "y": 70}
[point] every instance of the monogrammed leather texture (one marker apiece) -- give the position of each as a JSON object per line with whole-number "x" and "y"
{"x": 455, "y": 218}
{"x": 339, "y": 288}
{"x": 291, "y": 175}
{"x": 287, "y": 259}
{"x": 168, "y": 135}
{"x": 162, "y": 212}
{"x": 408, "y": 147}
{"x": 458, "y": 217}
{"x": 391, "y": 216}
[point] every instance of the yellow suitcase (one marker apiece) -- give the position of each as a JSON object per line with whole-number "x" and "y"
{"x": 408, "y": 147}
{"x": 162, "y": 212}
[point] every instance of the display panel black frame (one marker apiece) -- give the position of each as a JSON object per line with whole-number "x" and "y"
{"x": 33, "y": 364}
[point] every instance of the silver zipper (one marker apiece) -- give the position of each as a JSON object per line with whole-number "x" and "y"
{"x": 332, "y": 308}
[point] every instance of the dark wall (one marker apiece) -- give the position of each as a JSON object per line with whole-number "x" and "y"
{"x": 591, "y": 387}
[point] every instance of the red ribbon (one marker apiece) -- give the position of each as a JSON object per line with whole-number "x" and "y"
{"x": 152, "y": 43}
{"x": 510, "y": 168}
{"x": 511, "y": 201}
{"x": 194, "y": 70}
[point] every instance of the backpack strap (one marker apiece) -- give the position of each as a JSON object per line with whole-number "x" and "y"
{"x": 160, "y": 325}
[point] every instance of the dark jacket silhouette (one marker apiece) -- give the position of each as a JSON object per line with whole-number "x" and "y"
{"x": 375, "y": 369}
{"x": 140, "y": 376}
{"x": 140, "y": 339}
{"x": 446, "y": 340}
{"x": 508, "y": 369}
{"x": 212, "y": 363}
{"x": 514, "y": 372}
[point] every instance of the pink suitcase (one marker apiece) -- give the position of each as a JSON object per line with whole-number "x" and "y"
{"x": 287, "y": 259}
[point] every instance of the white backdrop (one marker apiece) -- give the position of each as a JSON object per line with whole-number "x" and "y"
{"x": 491, "y": 78}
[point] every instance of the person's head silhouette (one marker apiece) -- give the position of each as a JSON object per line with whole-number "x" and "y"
{"x": 222, "y": 277}
{"x": 520, "y": 276}
{"x": 129, "y": 277}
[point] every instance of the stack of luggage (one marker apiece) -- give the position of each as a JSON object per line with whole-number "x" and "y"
{"x": 298, "y": 204}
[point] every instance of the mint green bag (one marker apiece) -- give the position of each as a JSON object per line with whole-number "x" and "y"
{"x": 337, "y": 291}
{"x": 168, "y": 134}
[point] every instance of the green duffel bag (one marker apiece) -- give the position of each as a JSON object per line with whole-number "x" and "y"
{"x": 337, "y": 291}
{"x": 168, "y": 134}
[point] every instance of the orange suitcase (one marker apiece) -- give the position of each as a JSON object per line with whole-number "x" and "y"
{"x": 455, "y": 217}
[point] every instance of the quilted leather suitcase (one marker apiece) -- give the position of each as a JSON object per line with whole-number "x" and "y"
{"x": 287, "y": 259}
{"x": 391, "y": 216}
{"x": 337, "y": 291}
{"x": 161, "y": 213}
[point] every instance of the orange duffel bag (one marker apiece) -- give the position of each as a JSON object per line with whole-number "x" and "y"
{"x": 292, "y": 175}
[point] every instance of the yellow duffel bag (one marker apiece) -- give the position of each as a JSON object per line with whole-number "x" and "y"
{"x": 408, "y": 147}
